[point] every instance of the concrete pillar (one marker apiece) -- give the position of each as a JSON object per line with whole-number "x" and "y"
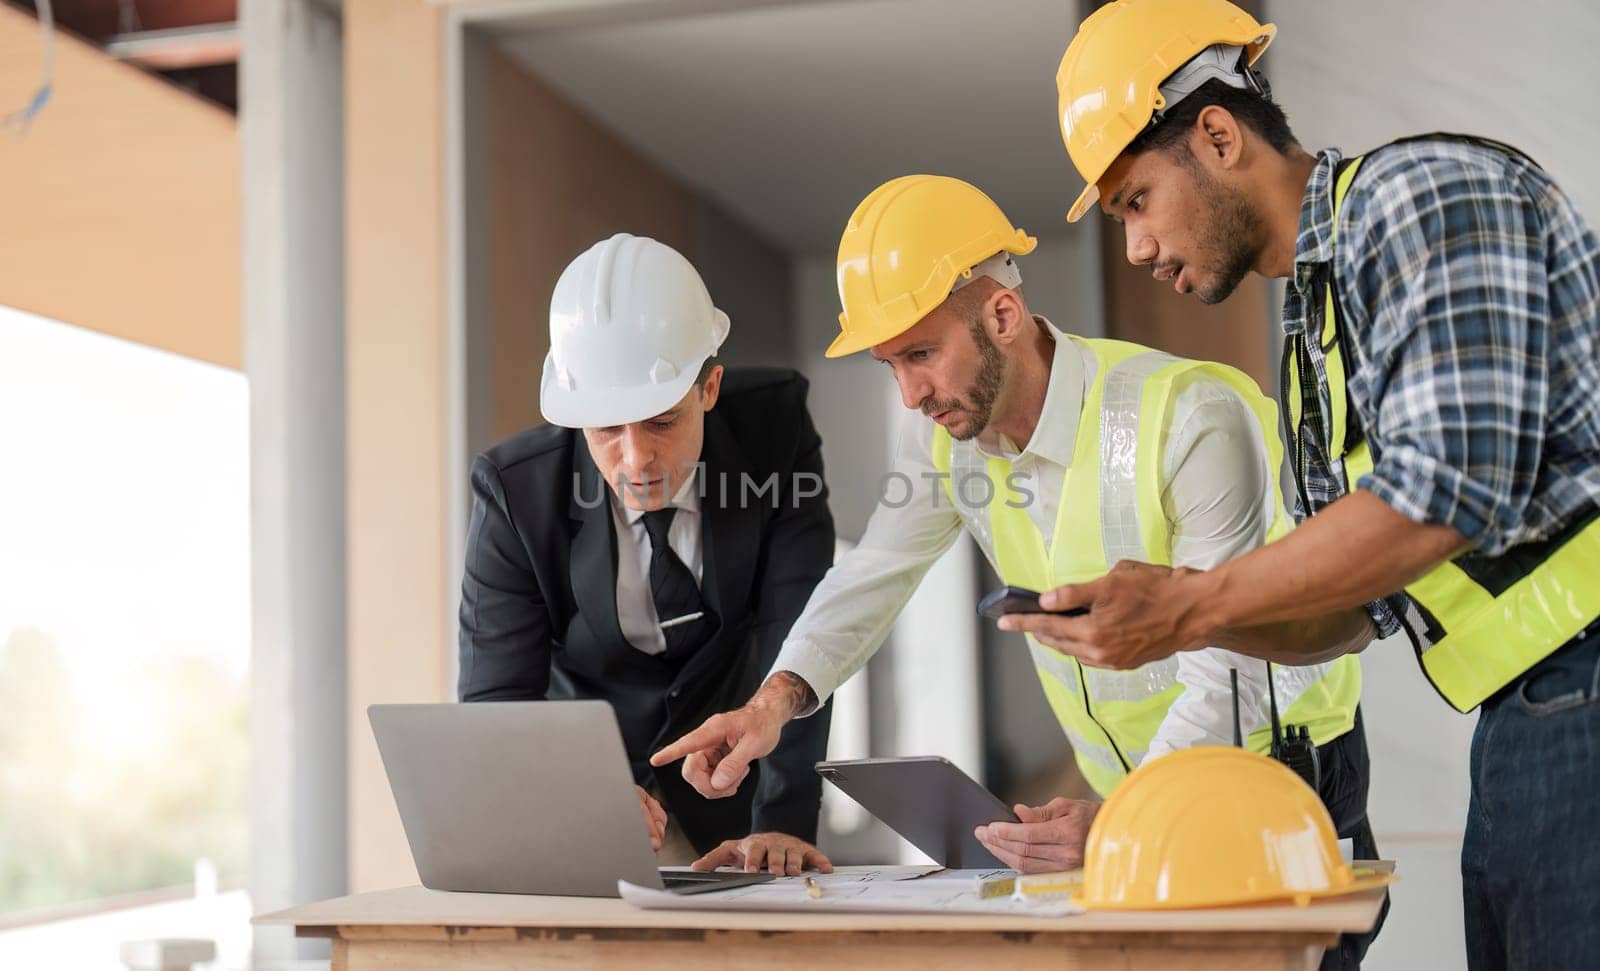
{"x": 291, "y": 133}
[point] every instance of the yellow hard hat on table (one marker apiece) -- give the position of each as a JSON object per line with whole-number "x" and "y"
{"x": 1213, "y": 826}
{"x": 1109, "y": 83}
{"x": 905, "y": 247}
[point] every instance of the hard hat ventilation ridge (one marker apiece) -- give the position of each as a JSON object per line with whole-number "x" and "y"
{"x": 1227, "y": 63}
{"x": 1000, "y": 268}
{"x": 605, "y": 271}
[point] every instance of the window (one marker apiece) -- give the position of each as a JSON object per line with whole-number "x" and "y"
{"x": 124, "y": 645}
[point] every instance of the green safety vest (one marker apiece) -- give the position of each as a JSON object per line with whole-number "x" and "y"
{"x": 1478, "y": 621}
{"x": 1111, "y": 510}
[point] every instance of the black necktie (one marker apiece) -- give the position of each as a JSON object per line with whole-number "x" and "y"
{"x": 681, "y": 611}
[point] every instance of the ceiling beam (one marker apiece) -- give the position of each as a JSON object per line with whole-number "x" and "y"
{"x": 178, "y": 48}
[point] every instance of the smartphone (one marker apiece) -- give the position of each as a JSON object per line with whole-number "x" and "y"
{"x": 1019, "y": 600}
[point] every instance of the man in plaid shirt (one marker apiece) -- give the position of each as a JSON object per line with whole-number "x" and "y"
{"x": 1459, "y": 389}
{"x": 1474, "y": 317}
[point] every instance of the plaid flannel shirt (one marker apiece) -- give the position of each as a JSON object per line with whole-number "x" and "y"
{"x": 1470, "y": 288}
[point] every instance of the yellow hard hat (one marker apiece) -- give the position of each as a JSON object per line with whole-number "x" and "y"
{"x": 1110, "y": 78}
{"x": 1209, "y": 827}
{"x": 904, "y": 248}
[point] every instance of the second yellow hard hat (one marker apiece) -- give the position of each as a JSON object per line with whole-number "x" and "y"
{"x": 1213, "y": 826}
{"x": 904, "y": 248}
{"x": 1109, "y": 83}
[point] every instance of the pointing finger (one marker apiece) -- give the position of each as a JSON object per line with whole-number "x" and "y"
{"x": 706, "y": 736}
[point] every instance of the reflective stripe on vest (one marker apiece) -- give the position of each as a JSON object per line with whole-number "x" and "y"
{"x": 1471, "y": 642}
{"x": 1111, "y": 510}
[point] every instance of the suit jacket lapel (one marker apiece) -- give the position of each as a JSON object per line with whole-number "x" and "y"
{"x": 730, "y": 529}
{"x": 594, "y": 550}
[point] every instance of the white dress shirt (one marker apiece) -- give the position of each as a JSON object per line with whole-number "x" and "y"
{"x": 636, "y": 606}
{"x": 1217, "y": 491}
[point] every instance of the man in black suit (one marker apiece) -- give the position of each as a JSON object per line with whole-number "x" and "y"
{"x": 654, "y": 543}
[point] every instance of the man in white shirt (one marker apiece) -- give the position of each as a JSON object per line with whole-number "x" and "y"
{"x": 651, "y": 546}
{"x": 980, "y": 374}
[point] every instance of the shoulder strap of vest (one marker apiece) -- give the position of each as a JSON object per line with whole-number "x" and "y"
{"x": 1344, "y": 431}
{"x": 1297, "y": 378}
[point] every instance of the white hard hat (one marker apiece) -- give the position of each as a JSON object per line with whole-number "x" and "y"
{"x": 631, "y": 324}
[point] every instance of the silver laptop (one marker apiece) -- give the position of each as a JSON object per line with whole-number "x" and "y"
{"x": 523, "y": 797}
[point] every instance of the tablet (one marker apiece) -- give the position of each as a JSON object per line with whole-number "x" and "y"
{"x": 929, "y": 801}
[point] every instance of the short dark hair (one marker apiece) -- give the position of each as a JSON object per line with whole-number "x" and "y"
{"x": 1256, "y": 111}
{"x": 968, "y": 301}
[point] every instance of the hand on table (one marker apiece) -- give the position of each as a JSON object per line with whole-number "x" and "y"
{"x": 777, "y": 853}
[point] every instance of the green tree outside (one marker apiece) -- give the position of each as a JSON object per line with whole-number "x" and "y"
{"x": 83, "y": 818}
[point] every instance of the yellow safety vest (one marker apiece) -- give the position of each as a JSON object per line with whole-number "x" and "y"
{"x": 1479, "y": 622}
{"x": 1111, "y": 510}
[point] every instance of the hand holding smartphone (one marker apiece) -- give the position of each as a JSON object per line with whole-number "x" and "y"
{"x": 1019, "y": 600}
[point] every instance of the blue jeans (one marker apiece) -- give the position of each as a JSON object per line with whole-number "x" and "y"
{"x": 1530, "y": 864}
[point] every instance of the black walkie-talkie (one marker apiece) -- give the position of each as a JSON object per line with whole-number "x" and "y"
{"x": 1293, "y": 746}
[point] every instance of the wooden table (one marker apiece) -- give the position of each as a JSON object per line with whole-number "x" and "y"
{"x": 411, "y": 929}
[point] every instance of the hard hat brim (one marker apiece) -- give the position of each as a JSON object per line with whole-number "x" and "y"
{"x": 1358, "y": 885}
{"x": 846, "y": 344}
{"x": 608, "y": 407}
{"x": 1086, "y": 200}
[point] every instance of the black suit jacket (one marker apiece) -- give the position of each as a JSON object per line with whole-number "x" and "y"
{"x": 539, "y": 609}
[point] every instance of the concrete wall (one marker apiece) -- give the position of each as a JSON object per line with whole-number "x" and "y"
{"x": 852, "y": 398}
{"x": 1061, "y": 279}
{"x": 749, "y": 280}
{"x": 1355, "y": 74}
{"x": 1526, "y": 77}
